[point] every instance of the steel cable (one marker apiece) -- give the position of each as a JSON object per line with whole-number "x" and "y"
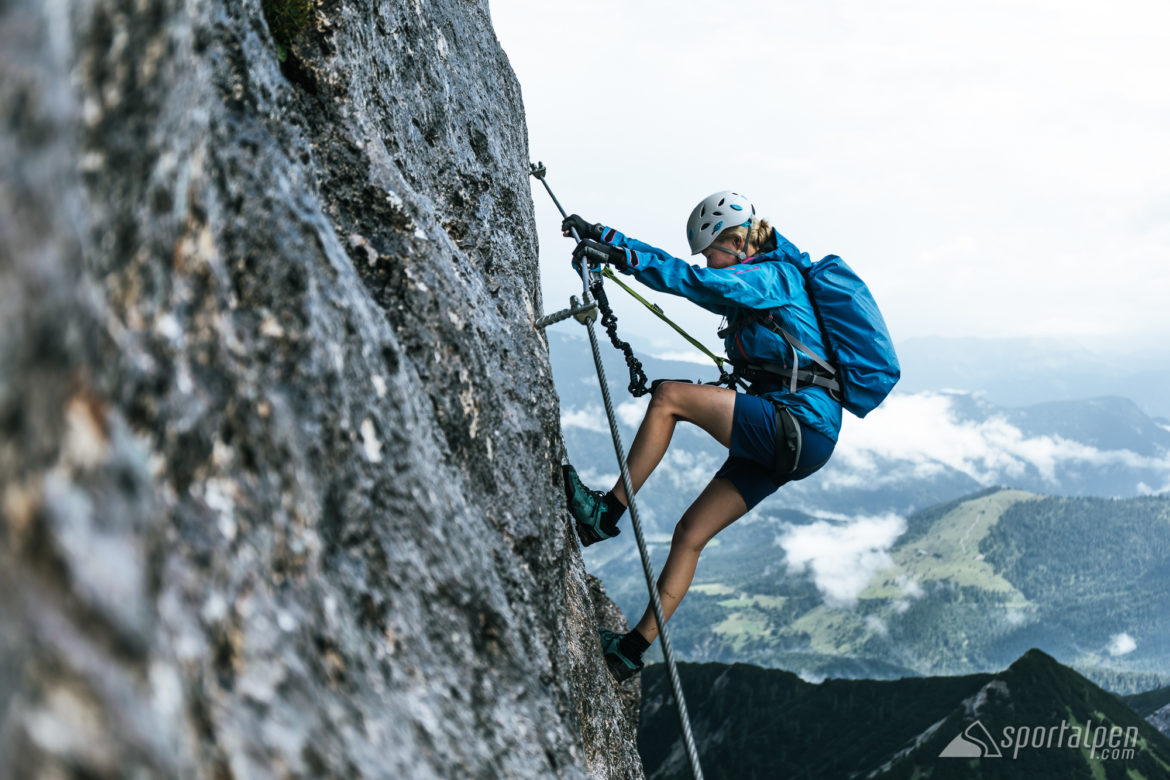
{"x": 675, "y": 683}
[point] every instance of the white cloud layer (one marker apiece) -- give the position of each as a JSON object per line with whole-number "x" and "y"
{"x": 924, "y": 436}
{"x": 630, "y": 413}
{"x": 841, "y": 557}
{"x": 687, "y": 472}
{"x": 688, "y": 356}
{"x": 591, "y": 418}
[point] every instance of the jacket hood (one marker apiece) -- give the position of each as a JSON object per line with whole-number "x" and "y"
{"x": 783, "y": 250}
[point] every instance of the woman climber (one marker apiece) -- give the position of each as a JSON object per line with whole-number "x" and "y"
{"x": 783, "y": 429}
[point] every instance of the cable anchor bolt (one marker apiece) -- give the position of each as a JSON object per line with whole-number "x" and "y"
{"x": 583, "y": 313}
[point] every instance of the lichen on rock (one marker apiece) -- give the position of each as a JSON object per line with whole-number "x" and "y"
{"x": 279, "y": 445}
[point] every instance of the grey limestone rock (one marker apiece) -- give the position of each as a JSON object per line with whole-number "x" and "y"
{"x": 279, "y": 445}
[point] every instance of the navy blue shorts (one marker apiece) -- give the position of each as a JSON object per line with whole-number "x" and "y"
{"x": 753, "y": 449}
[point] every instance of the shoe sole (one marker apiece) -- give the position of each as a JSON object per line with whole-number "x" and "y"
{"x": 587, "y": 536}
{"x": 619, "y": 671}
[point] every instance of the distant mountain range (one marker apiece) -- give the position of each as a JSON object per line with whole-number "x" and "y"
{"x": 1022, "y": 372}
{"x": 1154, "y": 706}
{"x": 1008, "y": 372}
{"x": 1036, "y": 719}
{"x": 959, "y": 588}
{"x": 917, "y": 450}
{"x": 947, "y": 535}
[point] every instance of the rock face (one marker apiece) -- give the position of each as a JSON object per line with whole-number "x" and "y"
{"x": 279, "y": 445}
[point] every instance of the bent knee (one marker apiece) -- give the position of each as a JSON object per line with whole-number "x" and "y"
{"x": 665, "y": 392}
{"x": 689, "y": 538}
{"x": 668, "y": 396}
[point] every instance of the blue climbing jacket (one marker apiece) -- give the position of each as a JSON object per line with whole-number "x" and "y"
{"x": 737, "y": 293}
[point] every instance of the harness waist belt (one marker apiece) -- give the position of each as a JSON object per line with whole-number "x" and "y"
{"x": 770, "y": 372}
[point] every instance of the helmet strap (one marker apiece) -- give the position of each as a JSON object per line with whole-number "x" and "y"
{"x": 737, "y": 255}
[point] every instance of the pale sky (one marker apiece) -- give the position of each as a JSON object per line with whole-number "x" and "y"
{"x": 989, "y": 168}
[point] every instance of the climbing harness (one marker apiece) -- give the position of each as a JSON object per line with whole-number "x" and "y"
{"x": 585, "y": 312}
{"x": 820, "y": 374}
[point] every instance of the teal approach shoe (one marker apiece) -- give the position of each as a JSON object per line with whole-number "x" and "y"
{"x": 620, "y": 667}
{"x": 588, "y": 508}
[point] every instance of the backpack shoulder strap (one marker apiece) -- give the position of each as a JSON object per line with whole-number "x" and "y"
{"x": 748, "y": 317}
{"x": 797, "y": 344}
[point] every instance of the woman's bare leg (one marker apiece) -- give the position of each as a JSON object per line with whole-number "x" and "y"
{"x": 711, "y": 408}
{"x": 718, "y": 506}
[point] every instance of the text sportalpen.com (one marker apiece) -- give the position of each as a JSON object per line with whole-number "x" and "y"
{"x": 1103, "y": 742}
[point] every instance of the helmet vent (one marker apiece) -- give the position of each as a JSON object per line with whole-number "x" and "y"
{"x": 714, "y": 213}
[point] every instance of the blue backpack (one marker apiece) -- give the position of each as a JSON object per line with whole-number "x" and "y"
{"x": 859, "y": 343}
{"x": 861, "y": 367}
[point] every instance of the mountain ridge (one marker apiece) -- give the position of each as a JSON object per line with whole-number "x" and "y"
{"x": 757, "y": 722}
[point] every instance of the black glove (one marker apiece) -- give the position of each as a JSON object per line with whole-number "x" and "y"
{"x": 583, "y": 228}
{"x": 595, "y": 252}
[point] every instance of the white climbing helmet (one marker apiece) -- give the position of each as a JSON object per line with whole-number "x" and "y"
{"x": 714, "y": 214}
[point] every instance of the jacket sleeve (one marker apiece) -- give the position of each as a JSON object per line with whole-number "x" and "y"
{"x": 754, "y": 286}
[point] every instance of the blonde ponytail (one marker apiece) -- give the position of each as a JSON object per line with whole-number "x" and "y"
{"x": 761, "y": 232}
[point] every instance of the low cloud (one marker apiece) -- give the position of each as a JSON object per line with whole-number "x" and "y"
{"x": 692, "y": 356}
{"x": 910, "y": 587}
{"x": 1121, "y": 644}
{"x": 591, "y": 418}
{"x": 811, "y": 677}
{"x": 631, "y": 412}
{"x": 687, "y": 472}
{"x": 921, "y": 435}
{"x": 841, "y": 557}
{"x": 1146, "y": 490}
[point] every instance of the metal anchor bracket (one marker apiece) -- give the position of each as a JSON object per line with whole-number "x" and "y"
{"x": 584, "y": 313}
